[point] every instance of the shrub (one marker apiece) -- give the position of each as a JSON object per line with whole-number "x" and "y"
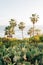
{"x": 41, "y": 38}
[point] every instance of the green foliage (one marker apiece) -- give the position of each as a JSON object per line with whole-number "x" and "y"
{"x": 27, "y": 63}
{"x": 1, "y": 43}
{"x": 20, "y": 52}
{"x": 41, "y": 38}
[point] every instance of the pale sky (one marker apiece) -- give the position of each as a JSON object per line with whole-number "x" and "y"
{"x": 20, "y": 10}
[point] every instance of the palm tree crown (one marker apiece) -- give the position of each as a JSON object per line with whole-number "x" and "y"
{"x": 34, "y": 18}
{"x": 12, "y": 23}
{"x": 21, "y": 27}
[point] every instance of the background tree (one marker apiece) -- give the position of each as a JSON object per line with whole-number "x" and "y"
{"x": 21, "y": 26}
{"x": 9, "y": 30}
{"x": 30, "y": 31}
{"x": 37, "y": 31}
{"x": 12, "y": 23}
{"x": 34, "y": 19}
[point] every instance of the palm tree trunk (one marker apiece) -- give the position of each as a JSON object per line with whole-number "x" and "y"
{"x": 33, "y": 29}
{"x": 10, "y": 35}
{"x": 22, "y": 34}
{"x": 30, "y": 35}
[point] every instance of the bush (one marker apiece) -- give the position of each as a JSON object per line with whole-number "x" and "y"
{"x": 41, "y": 38}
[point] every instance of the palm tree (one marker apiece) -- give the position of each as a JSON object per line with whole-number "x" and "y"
{"x": 12, "y": 23}
{"x": 30, "y": 31}
{"x": 34, "y": 19}
{"x": 21, "y": 27}
{"x": 7, "y": 31}
{"x": 37, "y": 31}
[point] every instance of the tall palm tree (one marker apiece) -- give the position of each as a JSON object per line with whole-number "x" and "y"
{"x": 13, "y": 25}
{"x": 21, "y": 26}
{"x": 9, "y": 30}
{"x": 34, "y": 19}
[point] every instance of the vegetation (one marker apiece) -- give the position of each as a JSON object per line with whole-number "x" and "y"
{"x": 9, "y": 30}
{"x": 21, "y": 26}
{"x": 25, "y": 51}
{"x": 34, "y": 19}
{"x": 16, "y": 51}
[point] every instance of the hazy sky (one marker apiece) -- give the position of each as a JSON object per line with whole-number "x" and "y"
{"x": 20, "y": 10}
